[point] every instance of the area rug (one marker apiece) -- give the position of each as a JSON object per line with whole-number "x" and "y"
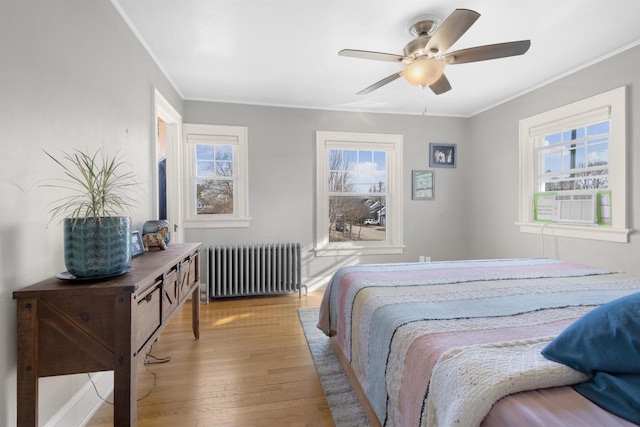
{"x": 343, "y": 402}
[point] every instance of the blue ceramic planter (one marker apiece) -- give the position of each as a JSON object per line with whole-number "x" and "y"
{"x": 94, "y": 249}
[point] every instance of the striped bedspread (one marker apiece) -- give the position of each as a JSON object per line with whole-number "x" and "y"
{"x": 416, "y": 335}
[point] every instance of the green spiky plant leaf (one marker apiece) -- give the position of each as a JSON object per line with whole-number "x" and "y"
{"x": 100, "y": 186}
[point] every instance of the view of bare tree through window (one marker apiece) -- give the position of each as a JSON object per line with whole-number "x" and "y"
{"x": 214, "y": 180}
{"x": 357, "y": 195}
{"x": 576, "y": 159}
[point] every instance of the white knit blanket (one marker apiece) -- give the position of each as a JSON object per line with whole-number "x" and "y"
{"x": 467, "y": 381}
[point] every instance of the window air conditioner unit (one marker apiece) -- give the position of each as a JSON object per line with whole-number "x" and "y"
{"x": 577, "y": 208}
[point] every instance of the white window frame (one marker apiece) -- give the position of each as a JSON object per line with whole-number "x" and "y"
{"x": 611, "y": 106}
{"x": 392, "y": 145}
{"x": 233, "y": 135}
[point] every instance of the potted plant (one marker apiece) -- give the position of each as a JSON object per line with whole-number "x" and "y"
{"x": 97, "y": 237}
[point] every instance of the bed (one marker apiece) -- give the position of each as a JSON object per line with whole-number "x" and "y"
{"x": 461, "y": 343}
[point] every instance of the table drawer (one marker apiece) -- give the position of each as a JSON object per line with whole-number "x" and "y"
{"x": 147, "y": 315}
{"x": 170, "y": 294}
{"x": 185, "y": 278}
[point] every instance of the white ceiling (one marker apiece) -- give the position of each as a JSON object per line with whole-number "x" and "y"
{"x": 285, "y": 52}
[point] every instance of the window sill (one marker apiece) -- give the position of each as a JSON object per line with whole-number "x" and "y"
{"x": 359, "y": 250}
{"x": 609, "y": 234}
{"x": 218, "y": 223}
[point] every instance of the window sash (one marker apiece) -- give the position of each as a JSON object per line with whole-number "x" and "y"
{"x": 565, "y": 177}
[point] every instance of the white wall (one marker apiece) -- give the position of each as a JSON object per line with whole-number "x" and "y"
{"x": 72, "y": 75}
{"x": 282, "y": 179}
{"x": 493, "y": 175}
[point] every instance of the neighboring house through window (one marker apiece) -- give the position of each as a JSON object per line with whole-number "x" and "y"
{"x": 576, "y": 152}
{"x": 359, "y": 193}
{"x": 217, "y": 193}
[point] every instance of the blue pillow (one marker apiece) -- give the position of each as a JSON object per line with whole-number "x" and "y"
{"x": 606, "y": 339}
{"x": 618, "y": 394}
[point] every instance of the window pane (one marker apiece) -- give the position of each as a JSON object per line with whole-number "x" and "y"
{"x": 563, "y": 166}
{"x": 580, "y": 158}
{"x": 598, "y": 155}
{"x": 380, "y": 159}
{"x": 573, "y": 157}
{"x": 224, "y": 169}
{"x": 214, "y": 196}
{"x": 363, "y": 183}
{"x": 350, "y": 158}
{"x": 366, "y": 158}
{"x": 552, "y": 160}
{"x": 357, "y": 218}
{"x": 335, "y": 160}
{"x": 204, "y": 168}
{"x": 204, "y": 152}
{"x": 224, "y": 152}
{"x": 552, "y": 139}
{"x": 335, "y": 182}
{"x": 598, "y": 128}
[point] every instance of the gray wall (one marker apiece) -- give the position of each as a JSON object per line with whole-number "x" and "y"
{"x": 493, "y": 175}
{"x": 72, "y": 75}
{"x": 282, "y": 179}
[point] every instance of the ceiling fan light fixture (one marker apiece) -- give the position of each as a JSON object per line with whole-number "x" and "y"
{"x": 424, "y": 71}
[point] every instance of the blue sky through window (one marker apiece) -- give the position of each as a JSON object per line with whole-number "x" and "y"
{"x": 358, "y": 171}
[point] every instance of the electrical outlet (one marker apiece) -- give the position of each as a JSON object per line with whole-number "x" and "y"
{"x": 424, "y": 258}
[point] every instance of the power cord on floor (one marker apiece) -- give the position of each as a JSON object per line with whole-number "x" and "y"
{"x": 149, "y": 359}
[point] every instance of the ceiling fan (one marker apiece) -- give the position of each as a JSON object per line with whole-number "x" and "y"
{"x": 425, "y": 56}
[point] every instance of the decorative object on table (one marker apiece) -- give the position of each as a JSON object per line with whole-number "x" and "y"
{"x": 442, "y": 155}
{"x": 137, "y": 247}
{"x": 422, "y": 185}
{"x": 154, "y": 226}
{"x": 156, "y": 239}
{"x": 97, "y": 237}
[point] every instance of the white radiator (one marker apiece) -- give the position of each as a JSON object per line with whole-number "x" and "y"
{"x": 258, "y": 269}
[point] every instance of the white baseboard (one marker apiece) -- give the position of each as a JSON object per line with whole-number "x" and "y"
{"x": 316, "y": 283}
{"x": 81, "y": 407}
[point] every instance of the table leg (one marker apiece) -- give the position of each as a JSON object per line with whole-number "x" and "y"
{"x": 125, "y": 375}
{"x": 195, "y": 311}
{"x": 28, "y": 364}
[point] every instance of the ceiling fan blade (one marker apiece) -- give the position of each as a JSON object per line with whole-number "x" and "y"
{"x": 490, "y": 51}
{"x": 381, "y": 83}
{"x": 366, "y": 54}
{"x": 451, "y": 30}
{"x": 441, "y": 85}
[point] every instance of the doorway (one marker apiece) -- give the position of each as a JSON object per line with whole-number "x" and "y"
{"x": 167, "y": 166}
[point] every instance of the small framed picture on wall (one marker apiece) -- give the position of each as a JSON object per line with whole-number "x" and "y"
{"x": 422, "y": 185}
{"x": 442, "y": 155}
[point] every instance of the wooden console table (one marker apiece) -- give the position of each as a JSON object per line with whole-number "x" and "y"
{"x": 69, "y": 328}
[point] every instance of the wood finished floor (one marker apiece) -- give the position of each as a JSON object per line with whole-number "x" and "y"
{"x": 251, "y": 367}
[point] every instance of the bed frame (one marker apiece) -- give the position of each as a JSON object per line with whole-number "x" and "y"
{"x": 367, "y": 408}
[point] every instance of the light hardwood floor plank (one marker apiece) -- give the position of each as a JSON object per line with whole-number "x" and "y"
{"x": 251, "y": 367}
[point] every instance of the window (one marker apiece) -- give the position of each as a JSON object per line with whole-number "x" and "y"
{"x": 575, "y": 159}
{"x": 578, "y": 147}
{"x": 217, "y": 193}
{"x": 359, "y": 193}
